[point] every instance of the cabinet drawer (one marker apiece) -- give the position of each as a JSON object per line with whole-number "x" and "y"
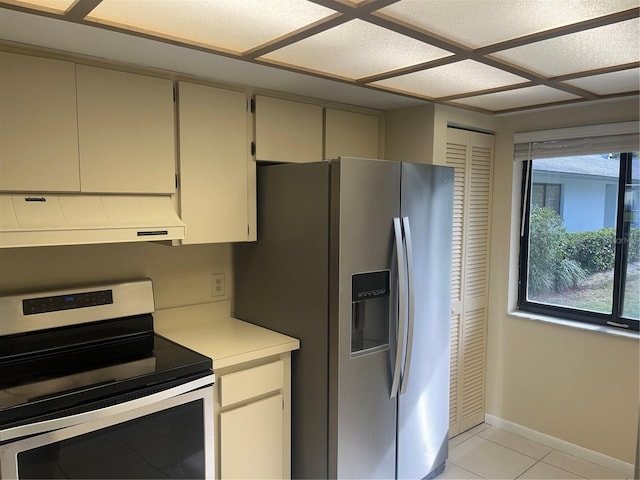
{"x": 246, "y": 384}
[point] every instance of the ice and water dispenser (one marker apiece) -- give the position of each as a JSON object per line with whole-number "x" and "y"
{"x": 369, "y": 312}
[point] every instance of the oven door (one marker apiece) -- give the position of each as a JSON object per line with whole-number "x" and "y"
{"x": 158, "y": 436}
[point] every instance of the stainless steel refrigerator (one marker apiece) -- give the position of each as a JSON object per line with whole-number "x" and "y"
{"x": 353, "y": 258}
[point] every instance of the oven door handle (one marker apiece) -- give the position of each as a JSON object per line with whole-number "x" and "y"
{"x": 92, "y": 415}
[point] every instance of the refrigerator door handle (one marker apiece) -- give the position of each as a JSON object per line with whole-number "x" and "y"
{"x": 410, "y": 296}
{"x": 402, "y": 276}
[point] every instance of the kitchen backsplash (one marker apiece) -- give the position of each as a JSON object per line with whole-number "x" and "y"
{"x": 181, "y": 275}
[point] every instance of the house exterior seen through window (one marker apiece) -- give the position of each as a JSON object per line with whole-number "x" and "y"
{"x": 580, "y": 248}
{"x": 546, "y": 195}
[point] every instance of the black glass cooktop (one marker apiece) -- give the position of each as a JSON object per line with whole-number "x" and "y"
{"x": 70, "y": 370}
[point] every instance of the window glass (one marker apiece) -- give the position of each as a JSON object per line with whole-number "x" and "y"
{"x": 572, "y": 235}
{"x": 631, "y": 237}
{"x": 546, "y": 195}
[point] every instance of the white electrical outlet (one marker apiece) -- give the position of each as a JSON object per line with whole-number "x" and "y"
{"x": 217, "y": 285}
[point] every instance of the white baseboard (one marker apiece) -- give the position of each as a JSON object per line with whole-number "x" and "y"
{"x": 562, "y": 445}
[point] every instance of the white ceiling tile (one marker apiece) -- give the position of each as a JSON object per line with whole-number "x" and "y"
{"x": 522, "y": 97}
{"x": 356, "y": 49}
{"x": 115, "y": 46}
{"x": 477, "y": 23}
{"x": 230, "y": 25}
{"x": 451, "y": 79}
{"x": 55, "y": 6}
{"x": 610, "y": 83}
{"x": 601, "y": 47}
{"x": 169, "y": 34}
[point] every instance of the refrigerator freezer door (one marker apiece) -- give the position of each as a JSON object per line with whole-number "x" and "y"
{"x": 423, "y": 408}
{"x": 365, "y": 199}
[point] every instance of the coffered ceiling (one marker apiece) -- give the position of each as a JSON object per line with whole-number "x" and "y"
{"x": 495, "y": 56}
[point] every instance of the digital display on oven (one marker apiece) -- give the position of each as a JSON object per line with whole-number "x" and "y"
{"x": 68, "y": 301}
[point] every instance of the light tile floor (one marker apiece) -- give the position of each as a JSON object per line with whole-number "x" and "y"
{"x": 492, "y": 453}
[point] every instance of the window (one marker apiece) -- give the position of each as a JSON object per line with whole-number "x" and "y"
{"x": 580, "y": 238}
{"x": 546, "y": 195}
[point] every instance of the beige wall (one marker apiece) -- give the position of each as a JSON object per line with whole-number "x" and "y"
{"x": 578, "y": 386}
{"x": 181, "y": 275}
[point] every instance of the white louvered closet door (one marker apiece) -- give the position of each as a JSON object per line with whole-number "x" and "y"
{"x": 471, "y": 156}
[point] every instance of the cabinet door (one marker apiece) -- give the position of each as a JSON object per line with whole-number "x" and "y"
{"x": 350, "y": 134}
{"x": 39, "y": 133}
{"x": 251, "y": 440}
{"x": 217, "y": 173}
{"x": 126, "y": 132}
{"x": 288, "y": 131}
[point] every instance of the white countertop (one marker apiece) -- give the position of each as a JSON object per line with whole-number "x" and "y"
{"x": 226, "y": 340}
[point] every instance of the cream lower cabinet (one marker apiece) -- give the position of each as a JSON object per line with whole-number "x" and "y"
{"x": 250, "y": 440}
{"x": 252, "y": 391}
{"x": 252, "y": 425}
{"x": 217, "y": 189}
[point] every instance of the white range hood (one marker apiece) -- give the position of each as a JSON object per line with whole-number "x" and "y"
{"x": 31, "y": 220}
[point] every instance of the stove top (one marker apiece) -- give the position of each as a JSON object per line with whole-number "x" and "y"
{"x": 68, "y": 365}
{"x": 39, "y": 397}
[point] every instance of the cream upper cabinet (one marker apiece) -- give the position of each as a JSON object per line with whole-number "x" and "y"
{"x": 126, "y": 132}
{"x": 38, "y": 125}
{"x": 287, "y": 131}
{"x": 350, "y": 134}
{"x": 70, "y": 128}
{"x": 217, "y": 174}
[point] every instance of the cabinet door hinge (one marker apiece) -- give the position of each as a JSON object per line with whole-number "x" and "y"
{"x": 177, "y": 182}
{"x": 174, "y": 94}
{"x": 252, "y": 105}
{"x": 253, "y": 149}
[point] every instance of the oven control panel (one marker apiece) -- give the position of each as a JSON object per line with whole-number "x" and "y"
{"x": 67, "y": 301}
{"x": 40, "y": 310}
